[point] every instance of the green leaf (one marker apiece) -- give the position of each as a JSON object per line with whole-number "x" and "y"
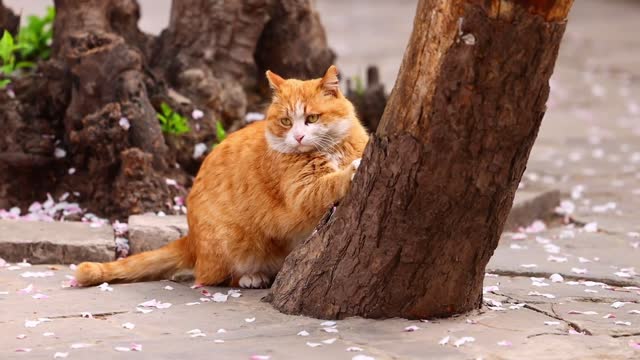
{"x": 4, "y": 83}
{"x": 166, "y": 109}
{"x": 45, "y": 54}
{"x": 51, "y": 14}
{"x": 35, "y": 37}
{"x": 25, "y": 64}
{"x": 359, "y": 86}
{"x": 172, "y": 122}
{"x": 221, "y": 134}
{"x": 6, "y": 47}
{"x": 7, "y": 69}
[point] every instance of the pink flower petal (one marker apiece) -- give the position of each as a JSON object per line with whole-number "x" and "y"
{"x": 39, "y": 296}
{"x": 583, "y": 312}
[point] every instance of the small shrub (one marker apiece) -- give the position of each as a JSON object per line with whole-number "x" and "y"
{"x": 359, "y": 85}
{"x": 221, "y": 134}
{"x": 8, "y": 49}
{"x": 171, "y": 122}
{"x": 35, "y": 38}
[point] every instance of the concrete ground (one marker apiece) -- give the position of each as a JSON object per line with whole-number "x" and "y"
{"x": 588, "y": 148}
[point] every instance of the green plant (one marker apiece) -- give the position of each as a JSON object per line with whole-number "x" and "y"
{"x": 359, "y": 85}
{"x": 221, "y": 134}
{"x": 8, "y": 48}
{"x": 171, "y": 122}
{"x": 35, "y": 37}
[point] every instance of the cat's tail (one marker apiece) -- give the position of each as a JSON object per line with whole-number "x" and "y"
{"x": 151, "y": 265}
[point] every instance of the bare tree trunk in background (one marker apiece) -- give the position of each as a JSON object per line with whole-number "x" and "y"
{"x": 128, "y": 165}
{"x": 414, "y": 235}
{"x": 103, "y": 69}
{"x": 218, "y": 51}
{"x": 8, "y": 20}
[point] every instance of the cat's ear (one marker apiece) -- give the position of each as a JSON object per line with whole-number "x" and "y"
{"x": 275, "y": 80}
{"x": 330, "y": 84}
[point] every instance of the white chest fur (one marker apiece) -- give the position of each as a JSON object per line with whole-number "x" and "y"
{"x": 335, "y": 159}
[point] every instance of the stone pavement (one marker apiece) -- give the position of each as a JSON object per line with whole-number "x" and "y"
{"x": 94, "y": 322}
{"x": 588, "y": 149}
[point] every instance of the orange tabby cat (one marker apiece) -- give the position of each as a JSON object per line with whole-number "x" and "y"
{"x": 260, "y": 192}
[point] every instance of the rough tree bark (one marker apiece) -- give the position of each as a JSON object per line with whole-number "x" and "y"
{"x": 437, "y": 180}
{"x": 8, "y": 20}
{"x": 218, "y": 51}
{"x": 104, "y": 69}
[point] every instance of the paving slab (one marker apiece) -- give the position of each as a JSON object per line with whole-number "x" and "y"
{"x": 616, "y": 310}
{"x": 571, "y": 252}
{"x": 252, "y": 327}
{"x": 149, "y": 231}
{"x": 55, "y": 242}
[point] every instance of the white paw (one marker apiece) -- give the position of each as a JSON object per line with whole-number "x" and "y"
{"x": 355, "y": 164}
{"x": 254, "y": 281}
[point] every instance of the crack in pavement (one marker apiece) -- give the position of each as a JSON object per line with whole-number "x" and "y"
{"x": 546, "y": 333}
{"x": 102, "y": 315}
{"x": 625, "y": 335}
{"x": 603, "y": 300}
{"x": 553, "y": 315}
{"x": 515, "y": 273}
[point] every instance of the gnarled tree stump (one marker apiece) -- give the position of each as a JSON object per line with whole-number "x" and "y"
{"x": 85, "y": 121}
{"x": 8, "y": 20}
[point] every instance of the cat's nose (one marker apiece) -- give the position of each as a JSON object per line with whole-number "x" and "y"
{"x": 299, "y": 138}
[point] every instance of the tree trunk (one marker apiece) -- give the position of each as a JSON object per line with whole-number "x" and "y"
{"x": 108, "y": 84}
{"x": 8, "y": 20}
{"x": 428, "y": 204}
{"x": 369, "y": 100}
{"x": 85, "y": 121}
{"x": 218, "y": 51}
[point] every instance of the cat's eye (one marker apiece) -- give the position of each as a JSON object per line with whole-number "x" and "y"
{"x": 285, "y": 121}
{"x": 312, "y": 118}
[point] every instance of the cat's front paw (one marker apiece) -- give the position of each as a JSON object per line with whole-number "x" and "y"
{"x": 254, "y": 281}
{"x": 355, "y": 164}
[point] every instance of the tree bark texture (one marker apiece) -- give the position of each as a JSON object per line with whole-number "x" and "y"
{"x": 103, "y": 69}
{"x": 428, "y": 204}
{"x": 8, "y": 20}
{"x": 218, "y": 51}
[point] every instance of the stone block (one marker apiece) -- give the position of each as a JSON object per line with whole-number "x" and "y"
{"x": 55, "y": 242}
{"x": 149, "y": 232}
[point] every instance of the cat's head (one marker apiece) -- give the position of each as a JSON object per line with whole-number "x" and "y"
{"x": 311, "y": 115}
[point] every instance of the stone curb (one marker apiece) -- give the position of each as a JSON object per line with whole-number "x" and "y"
{"x": 55, "y": 242}
{"x": 149, "y": 231}
{"x": 529, "y": 206}
{"x": 73, "y": 242}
